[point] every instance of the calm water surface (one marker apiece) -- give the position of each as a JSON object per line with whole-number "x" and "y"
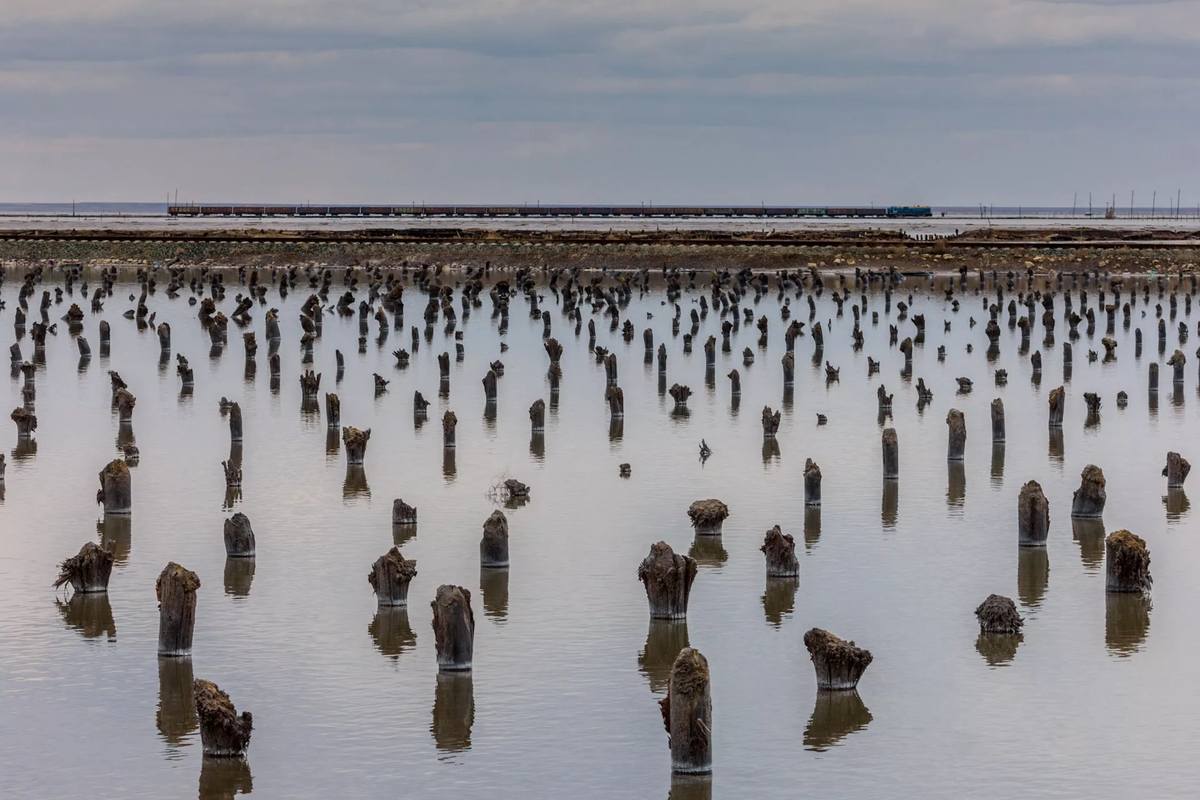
{"x": 568, "y": 670}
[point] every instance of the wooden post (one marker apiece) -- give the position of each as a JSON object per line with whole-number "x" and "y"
{"x": 668, "y": 580}
{"x": 453, "y": 628}
{"x": 1033, "y": 516}
{"x": 687, "y": 713}
{"x": 176, "y": 590}
{"x": 222, "y": 732}
{"x": 390, "y": 576}
{"x": 239, "y": 537}
{"x": 88, "y": 571}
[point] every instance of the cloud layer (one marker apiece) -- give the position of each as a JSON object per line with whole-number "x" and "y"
{"x": 807, "y": 101}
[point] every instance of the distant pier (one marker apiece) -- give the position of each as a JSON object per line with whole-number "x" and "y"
{"x": 539, "y": 211}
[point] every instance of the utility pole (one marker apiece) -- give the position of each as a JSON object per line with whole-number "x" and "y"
{"x": 1074, "y": 201}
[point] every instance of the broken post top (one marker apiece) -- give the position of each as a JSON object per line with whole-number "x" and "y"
{"x": 998, "y": 614}
{"x": 187, "y": 580}
{"x": 705, "y": 513}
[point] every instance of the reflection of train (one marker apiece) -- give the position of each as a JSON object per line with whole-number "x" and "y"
{"x": 543, "y": 211}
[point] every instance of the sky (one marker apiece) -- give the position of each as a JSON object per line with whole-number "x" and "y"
{"x": 824, "y": 102}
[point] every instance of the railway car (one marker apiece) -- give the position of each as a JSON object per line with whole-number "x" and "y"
{"x": 215, "y": 211}
{"x": 312, "y": 211}
{"x": 376, "y": 211}
{"x": 909, "y": 211}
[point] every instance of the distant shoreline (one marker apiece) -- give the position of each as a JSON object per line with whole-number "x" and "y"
{"x": 1058, "y": 248}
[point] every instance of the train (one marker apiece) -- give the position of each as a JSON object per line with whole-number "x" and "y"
{"x": 892, "y": 212}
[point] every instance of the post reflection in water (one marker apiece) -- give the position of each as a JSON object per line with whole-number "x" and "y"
{"x": 1089, "y": 535}
{"x": 448, "y": 463}
{"x": 355, "y": 485}
{"x": 125, "y": 434}
{"x": 493, "y": 583}
{"x": 664, "y": 639}
{"x": 1033, "y": 575}
{"x": 890, "y": 513}
{"x": 239, "y": 573}
{"x": 690, "y": 787}
{"x": 403, "y": 532}
{"x": 453, "y": 711}
{"x": 90, "y": 614}
{"x": 25, "y": 450}
{"x": 1126, "y": 622}
{"x": 537, "y": 446}
{"x": 176, "y": 716}
{"x": 391, "y": 631}
{"x": 233, "y": 496}
{"x": 770, "y": 451}
{"x": 812, "y": 526}
{"x": 224, "y": 778}
{"x": 835, "y": 716}
{"x": 616, "y": 429}
{"x": 1177, "y": 504}
{"x": 115, "y": 532}
{"x": 333, "y": 443}
{"x": 998, "y": 649}
{"x": 779, "y": 599}
{"x": 998, "y": 464}
{"x": 708, "y": 551}
{"x": 956, "y": 484}
{"x": 1057, "y": 450}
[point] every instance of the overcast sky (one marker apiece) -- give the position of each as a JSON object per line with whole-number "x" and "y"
{"x": 676, "y": 101}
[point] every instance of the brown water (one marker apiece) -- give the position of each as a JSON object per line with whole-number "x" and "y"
{"x": 562, "y": 701}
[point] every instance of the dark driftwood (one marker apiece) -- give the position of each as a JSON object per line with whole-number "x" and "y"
{"x": 493, "y": 547}
{"x": 389, "y": 578}
{"x": 1176, "y": 470}
{"x": 116, "y": 488}
{"x": 356, "y": 444}
{"x": 998, "y": 614}
{"x": 1090, "y": 497}
{"x": 891, "y": 455}
{"x": 88, "y": 571}
{"x": 222, "y": 731}
{"x": 176, "y": 590}
{"x": 1127, "y": 563}
{"x": 668, "y": 580}
{"x": 839, "y": 664}
{"x": 239, "y": 537}
{"x": 812, "y": 483}
{"x": 957, "y": 444}
{"x": 780, "y": 550}
{"x": 1033, "y": 516}
{"x": 687, "y": 714}
{"x": 707, "y": 516}
{"x": 453, "y": 628}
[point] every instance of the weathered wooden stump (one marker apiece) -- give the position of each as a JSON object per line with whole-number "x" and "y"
{"x": 998, "y": 614}
{"x": 680, "y": 395}
{"x": 489, "y": 386}
{"x": 615, "y": 397}
{"x": 235, "y": 423}
{"x": 1127, "y": 563}
{"x": 449, "y": 424}
{"x": 389, "y": 578}
{"x": 356, "y": 444}
{"x": 812, "y": 483}
{"x": 687, "y": 714}
{"x": 998, "y": 432}
{"x": 668, "y": 579}
{"x": 125, "y": 403}
{"x": 85, "y": 350}
{"x": 1176, "y": 470}
{"x": 891, "y": 455}
{"x": 735, "y": 383}
{"x": 333, "y": 410}
{"x": 770, "y": 422}
{"x": 537, "y": 417}
{"x": 403, "y": 513}
{"x": 310, "y": 384}
{"x": 610, "y": 368}
{"x": 780, "y": 550}
{"x": 239, "y": 537}
{"x": 26, "y": 422}
{"x": 116, "y": 488}
{"x": 1153, "y": 377}
{"x": 707, "y": 516}
{"x": 789, "y": 369}
{"x": 1090, "y": 497}
{"x": 1033, "y": 516}
{"x": 223, "y": 733}
{"x": 885, "y": 400}
{"x": 1093, "y": 403}
{"x": 453, "y": 628}
{"x": 1057, "y": 406}
{"x": 839, "y": 664}
{"x": 493, "y": 547}
{"x": 957, "y": 424}
{"x": 1177, "y": 362}
{"x": 88, "y": 571}
{"x": 176, "y": 590}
